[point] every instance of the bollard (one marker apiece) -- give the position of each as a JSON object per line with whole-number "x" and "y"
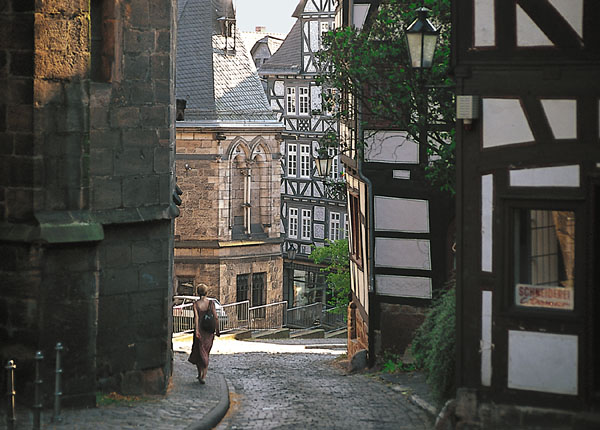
{"x": 57, "y": 390}
{"x": 11, "y": 393}
{"x": 37, "y": 406}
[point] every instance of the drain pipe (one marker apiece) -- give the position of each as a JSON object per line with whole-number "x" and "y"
{"x": 371, "y": 226}
{"x": 57, "y": 390}
{"x": 11, "y": 393}
{"x": 37, "y": 407}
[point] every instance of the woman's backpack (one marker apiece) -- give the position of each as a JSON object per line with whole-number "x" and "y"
{"x": 208, "y": 320}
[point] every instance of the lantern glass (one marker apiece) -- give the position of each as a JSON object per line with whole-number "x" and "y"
{"x": 324, "y": 166}
{"x": 421, "y": 38}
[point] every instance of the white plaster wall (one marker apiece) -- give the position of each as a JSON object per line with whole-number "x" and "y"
{"x": 486, "y": 338}
{"x": 484, "y": 21}
{"x": 543, "y": 362}
{"x": 315, "y": 34}
{"x": 401, "y": 174}
{"x": 504, "y": 123}
{"x": 404, "y": 286}
{"x": 562, "y": 116}
{"x": 572, "y": 11}
{"x": 404, "y": 215}
{"x": 315, "y": 98}
{"x": 528, "y": 33}
{"x": 279, "y": 88}
{"x": 559, "y": 176}
{"x": 487, "y": 209}
{"x": 310, "y": 7}
{"x": 391, "y": 147}
{"x": 402, "y": 253}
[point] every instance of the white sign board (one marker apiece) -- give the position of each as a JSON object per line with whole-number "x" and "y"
{"x": 540, "y": 296}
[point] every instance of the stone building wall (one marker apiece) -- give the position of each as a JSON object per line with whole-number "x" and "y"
{"x": 85, "y": 192}
{"x": 207, "y": 249}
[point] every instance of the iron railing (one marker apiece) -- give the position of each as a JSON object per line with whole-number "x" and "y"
{"x": 334, "y": 318}
{"x": 304, "y": 316}
{"x": 269, "y": 316}
{"x": 236, "y": 316}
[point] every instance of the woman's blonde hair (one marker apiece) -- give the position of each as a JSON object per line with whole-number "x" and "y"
{"x": 202, "y": 289}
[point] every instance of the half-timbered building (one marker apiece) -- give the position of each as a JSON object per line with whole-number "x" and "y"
{"x": 528, "y": 207}
{"x": 227, "y": 162}
{"x": 311, "y": 212}
{"x": 400, "y": 225}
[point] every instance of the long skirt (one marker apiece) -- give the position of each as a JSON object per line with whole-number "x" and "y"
{"x": 201, "y": 349}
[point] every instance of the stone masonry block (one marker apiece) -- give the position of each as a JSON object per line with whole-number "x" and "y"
{"x": 153, "y": 276}
{"x": 20, "y": 92}
{"x": 137, "y": 67}
{"x": 119, "y": 281}
{"x": 122, "y": 117}
{"x": 106, "y": 193}
{"x": 162, "y": 160}
{"x": 140, "y": 190}
{"x": 134, "y": 161}
{"x": 20, "y": 117}
{"x": 136, "y": 13}
{"x": 155, "y": 116}
{"x": 144, "y": 137}
{"x": 116, "y": 255}
{"x": 161, "y": 66}
{"x": 139, "y": 41}
{"x": 149, "y": 251}
{"x": 101, "y": 162}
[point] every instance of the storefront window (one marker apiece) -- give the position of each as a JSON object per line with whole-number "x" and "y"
{"x": 544, "y": 258}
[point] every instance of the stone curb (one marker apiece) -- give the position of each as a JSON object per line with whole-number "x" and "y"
{"x": 416, "y": 399}
{"x": 216, "y": 414}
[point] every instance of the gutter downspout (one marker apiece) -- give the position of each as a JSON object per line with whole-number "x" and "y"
{"x": 370, "y": 230}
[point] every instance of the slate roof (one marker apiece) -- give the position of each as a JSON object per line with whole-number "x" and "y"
{"x": 288, "y": 58}
{"x": 216, "y": 85}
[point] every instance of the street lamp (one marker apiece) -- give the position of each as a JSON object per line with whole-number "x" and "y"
{"x": 421, "y": 38}
{"x": 324, "y": 163}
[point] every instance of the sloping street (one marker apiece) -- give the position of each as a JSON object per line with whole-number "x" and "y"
{"x": 292, "y": 388}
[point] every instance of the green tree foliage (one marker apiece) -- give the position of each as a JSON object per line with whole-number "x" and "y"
{"x": 336, "y": 255}
{"x": 373, "y": 65}
{"x": 434, "y": 345}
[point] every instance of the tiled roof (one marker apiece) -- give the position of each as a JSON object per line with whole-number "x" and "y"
{"x": 288, "y": 58}
{"x": 217, "y": 85}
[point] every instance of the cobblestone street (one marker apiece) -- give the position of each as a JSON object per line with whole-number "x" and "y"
{"x": 307, "y": 390}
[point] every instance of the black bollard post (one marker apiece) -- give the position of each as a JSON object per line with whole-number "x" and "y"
{"x": 37, "y": 407}
{"x": 11, "y": 418}
{"x": 57, "y": 390}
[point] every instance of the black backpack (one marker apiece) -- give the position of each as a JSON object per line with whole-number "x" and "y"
{"x": 208, "y": 320}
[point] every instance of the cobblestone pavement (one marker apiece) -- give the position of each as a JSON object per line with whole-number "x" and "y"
{"x": 302, "y": 390}
{"x": 186, "y": 404}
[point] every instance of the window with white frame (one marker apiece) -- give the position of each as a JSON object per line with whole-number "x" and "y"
{"x": 293, "y": 223}
{"x": 303, "y": 101}
{"x": 328, "y": 101}
{"x": 306, "y": 224}
{"x": 305, "y": 161}
{"x": 292, "y": 159}
{"x": 334, "y": 226}
{"x": 290, "y": 102}
{"x": 345, "y": 226}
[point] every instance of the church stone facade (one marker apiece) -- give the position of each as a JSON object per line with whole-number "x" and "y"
{"x": 86, "y": 211}
{"x": 227, "y": 236}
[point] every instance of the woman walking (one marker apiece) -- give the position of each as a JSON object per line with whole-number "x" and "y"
{"x": 204, "y": 332}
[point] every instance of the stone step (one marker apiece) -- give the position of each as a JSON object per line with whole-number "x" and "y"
{"x": 341, "y": 333}
{"x": 280, "y": 333}
{"x": 238, "y": 334}
{"x": 313, "y": 333}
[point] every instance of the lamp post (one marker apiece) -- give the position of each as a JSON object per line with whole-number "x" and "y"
{"x": 421, "y": 38}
